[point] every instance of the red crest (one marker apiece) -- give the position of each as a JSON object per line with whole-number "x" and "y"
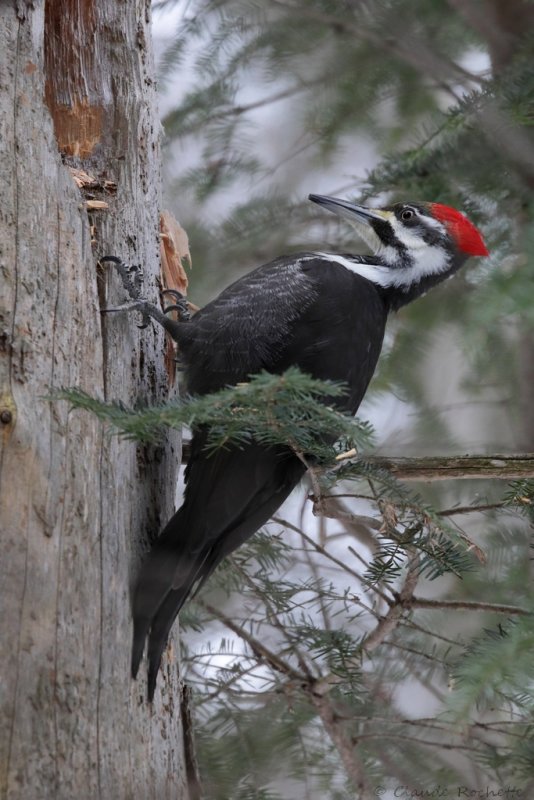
{"x": 468, "y": 238}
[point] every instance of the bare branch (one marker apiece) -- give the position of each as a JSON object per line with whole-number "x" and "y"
{"x": 343, "y": 743}
{"x": 499, "y": 466}
{"x": 457, "y": 510}
{"x": 441, "y": 468}
{"x": 468, "y": 605}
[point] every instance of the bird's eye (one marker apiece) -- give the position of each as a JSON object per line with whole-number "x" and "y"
{"x": 408, "y": 213}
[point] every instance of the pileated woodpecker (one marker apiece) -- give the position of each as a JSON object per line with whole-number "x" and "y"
{"x": 322, "y": 312}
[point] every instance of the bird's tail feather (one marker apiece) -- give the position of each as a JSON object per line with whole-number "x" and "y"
{"x": 167, "y": 571}
{"x": 159, "y": 632}
{"x": 242, "y": 490}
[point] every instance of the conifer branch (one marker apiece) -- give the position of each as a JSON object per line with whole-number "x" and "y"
{"x": 274, "y": 618}
{"x": 384, "y": 627}
{"x": 396, "y": 610}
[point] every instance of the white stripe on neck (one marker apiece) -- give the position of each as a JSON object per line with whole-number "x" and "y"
{"x": 426, "y": 261}
{"x": 373, "y": 272}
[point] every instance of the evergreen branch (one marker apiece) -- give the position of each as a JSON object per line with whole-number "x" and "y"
{"x": 319, "y": 548}
{"x": 269, "y": 409}
{"x": 442, "y": 745}
{"x": 385, "y": 626}
{"x": 496, "y": 113}
{"x": 390, "y": 621}
{"x": 333, "y": 559}
{"x": 274, "y": 619}
{"x": 236, "y": 111}
{"x": 416, "y": 54}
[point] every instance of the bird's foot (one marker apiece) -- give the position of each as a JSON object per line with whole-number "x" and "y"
{"x": 147, "y": 310}
{"x": 180, "y": 305}
{"x": 132, "y": 280}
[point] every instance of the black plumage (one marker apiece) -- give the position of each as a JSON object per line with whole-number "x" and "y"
{"x": 323, "y": 313}
{"x": 300, "y": 311}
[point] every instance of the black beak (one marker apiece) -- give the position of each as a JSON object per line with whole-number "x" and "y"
{"x": 345, "y": 209}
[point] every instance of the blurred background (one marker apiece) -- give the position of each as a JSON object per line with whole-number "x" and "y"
{"x": 262, "y": 103}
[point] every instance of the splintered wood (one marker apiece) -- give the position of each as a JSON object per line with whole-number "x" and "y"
{"x": 174, "y": 249}
{"x": 87, "y": 182}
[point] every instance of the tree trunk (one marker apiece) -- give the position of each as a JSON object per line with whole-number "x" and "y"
{"x": 76, "y": 506}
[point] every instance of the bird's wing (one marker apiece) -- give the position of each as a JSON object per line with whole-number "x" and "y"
{"x": 301, "y": 310}
{"x": 244, "y": 329}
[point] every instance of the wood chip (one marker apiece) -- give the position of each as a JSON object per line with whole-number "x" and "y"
{"x": 82, "y": 179}
{"x": 86, "y": 182}
{"x": 96, "y": 205}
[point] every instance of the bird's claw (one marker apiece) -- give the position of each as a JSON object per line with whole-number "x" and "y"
{"x": 184, "y": 315}
{"x": 180, "y": 306}
{"x": 137, "y": 305}
{"x": 174, "y": 292}
{"x": 131, "y": 275}
{"x": 132, "y": 280}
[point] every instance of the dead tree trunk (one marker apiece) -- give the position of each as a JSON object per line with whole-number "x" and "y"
{"x": 76, "y": 506}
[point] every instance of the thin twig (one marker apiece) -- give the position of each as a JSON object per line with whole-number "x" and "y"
{"x": 451, "y": 512}
{"x": 258, "y": 648}
{"x": 390, "y": 621}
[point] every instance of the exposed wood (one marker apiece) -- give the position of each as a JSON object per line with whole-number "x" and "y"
{"x": 96, "y": 205}
{"x": 76, "y": 94}
{"x": 174, "y": 251}
{"x": 76, "y": 506}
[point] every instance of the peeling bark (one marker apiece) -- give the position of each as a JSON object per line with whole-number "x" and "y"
{"x": 76, "y": 507}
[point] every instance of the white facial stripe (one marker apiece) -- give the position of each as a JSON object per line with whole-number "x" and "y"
{"x": 373, "y": 272}
{"x": 423, "y": 259}
{"x": 411, "y": 239}
{"x": 428, "y": 261}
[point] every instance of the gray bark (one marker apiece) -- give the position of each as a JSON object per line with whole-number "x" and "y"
{"x": 76, "y": 506}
